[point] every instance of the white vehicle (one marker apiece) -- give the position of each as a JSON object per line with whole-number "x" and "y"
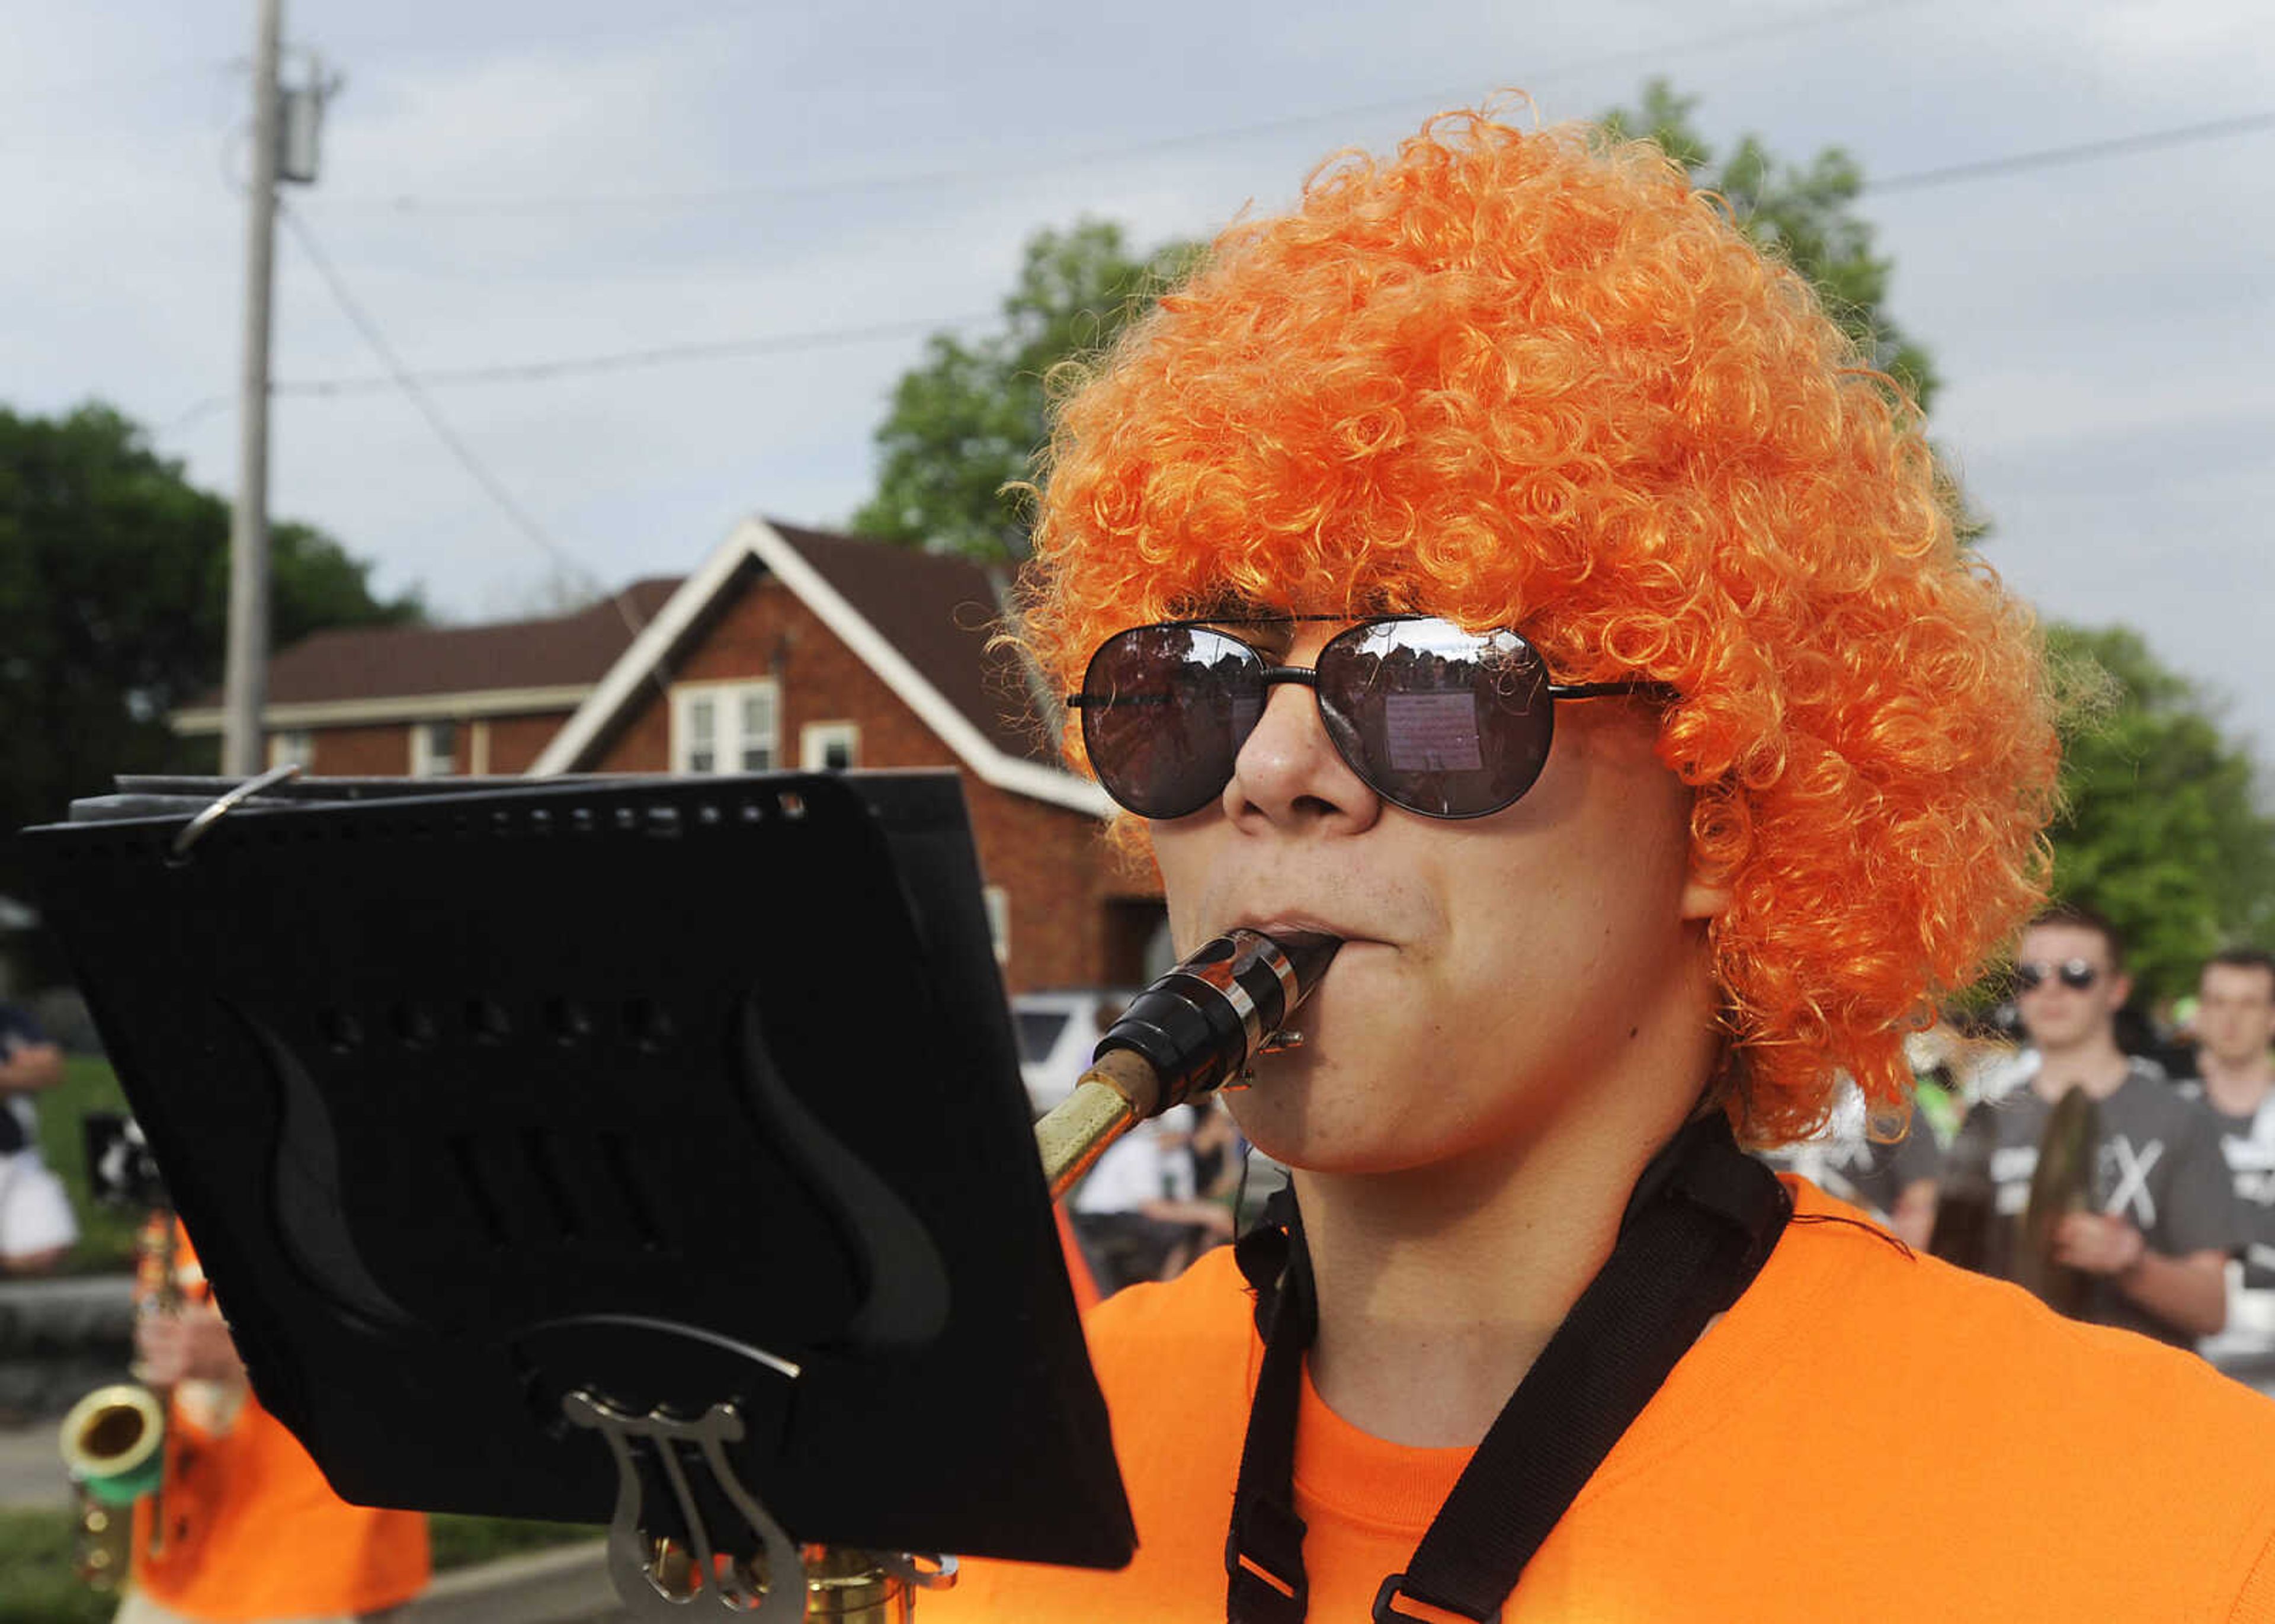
{"x": 1057, "y": 1033}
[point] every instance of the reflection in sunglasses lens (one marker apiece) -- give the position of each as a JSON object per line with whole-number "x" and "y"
{"x": 1441, "y": 722}
{"x": 1171, "y": 708}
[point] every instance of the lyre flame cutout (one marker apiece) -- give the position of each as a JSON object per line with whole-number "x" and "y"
{"x": 779, "y": 1599}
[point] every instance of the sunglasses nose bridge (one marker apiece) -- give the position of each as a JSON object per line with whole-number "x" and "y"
{"x": 1290, "y": 756}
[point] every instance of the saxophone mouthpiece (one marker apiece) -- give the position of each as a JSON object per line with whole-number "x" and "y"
{"x": 1194, "y": 1030}
{"x": 1200, "y": 1025}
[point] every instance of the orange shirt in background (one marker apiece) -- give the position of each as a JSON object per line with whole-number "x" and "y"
{"x": 254, "y": 1532}
{"x": 1867, "y": 1434}
{"x": 1078, "y": 1266}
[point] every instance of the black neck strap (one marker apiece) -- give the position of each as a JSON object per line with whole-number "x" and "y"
{"x": 1701, "y": 1223}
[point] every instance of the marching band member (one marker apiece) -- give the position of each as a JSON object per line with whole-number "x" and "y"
{"x": 1498, "y": 563}
{"x": 254, "y": 1534}
{"x": 2235, "y": 1081}
{"x": 2159, "y": 1220}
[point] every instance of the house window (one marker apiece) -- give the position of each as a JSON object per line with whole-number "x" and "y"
{"x": 999, "y": 921}
{"x": 700, "y": 743}
{"x": 828, "y": 746}
{"x": 761, "y": 740}
{"x": 292, "y": 744}
{"x": 726, "y": 728}
{"x": 434, "y": 749}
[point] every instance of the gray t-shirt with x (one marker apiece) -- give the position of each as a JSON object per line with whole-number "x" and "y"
{"x": 2247, "y": 1145}
{"x": 2157, "y": 1163}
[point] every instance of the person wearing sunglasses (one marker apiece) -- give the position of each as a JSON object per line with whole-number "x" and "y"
{"x": 2162, "y": 1220}
{"x": 1496, "y": 562}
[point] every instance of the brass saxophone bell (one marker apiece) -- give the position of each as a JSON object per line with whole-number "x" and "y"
{"x": 113, "y": 1447}
{"x": 113, "y": 1443}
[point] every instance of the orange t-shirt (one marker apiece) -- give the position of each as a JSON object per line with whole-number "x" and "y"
{"x": 253, "y": 1531}
{"x": 1867, "y": 1434}
{"x": 1078, "y": 1266}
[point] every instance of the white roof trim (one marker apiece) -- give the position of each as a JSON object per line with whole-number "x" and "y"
{"x": 395, "y": 707}
{"x": 755, "y": 537}
{"x": 645, "y": 657}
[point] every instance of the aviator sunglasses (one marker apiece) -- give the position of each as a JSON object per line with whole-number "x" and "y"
{"x": 1439, "y": 720}
{"x": 2077, "y": 974}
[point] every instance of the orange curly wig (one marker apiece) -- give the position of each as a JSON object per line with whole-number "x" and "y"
{"x": 1536, "y": 379}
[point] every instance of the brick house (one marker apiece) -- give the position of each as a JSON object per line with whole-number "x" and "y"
{"x": 786, "y": 648}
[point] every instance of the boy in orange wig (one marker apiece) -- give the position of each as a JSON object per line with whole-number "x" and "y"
{"x": 1664, "y": 756}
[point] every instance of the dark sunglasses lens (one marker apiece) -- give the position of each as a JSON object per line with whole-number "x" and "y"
{"x": 2076, "y": 974}
{"x": 2079, "y": 974}
{"x": 1165, "y": 710}
{"x": 2028, "y": 978}
{"x": 1441, "y": 722}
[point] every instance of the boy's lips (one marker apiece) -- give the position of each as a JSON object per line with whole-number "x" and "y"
{"x": 1284, "y": 925}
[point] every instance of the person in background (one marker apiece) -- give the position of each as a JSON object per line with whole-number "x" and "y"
{"x": 36, "y": 1226}
{"x": 1139, "y": 1213}
{"x": 254, "y": 1534}
{"x": 2235, "y": 1022}
{"x": 1895, "y": 1179}
{"x": 2156, "y": 1236}
{"x": 1215, "y": 1147}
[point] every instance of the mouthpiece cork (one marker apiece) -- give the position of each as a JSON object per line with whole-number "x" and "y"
{"x": 1192, "y": 1030}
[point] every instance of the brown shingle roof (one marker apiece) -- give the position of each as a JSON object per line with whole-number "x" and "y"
{"x": 939, "y": 611}
{"x": 407, "y": 661}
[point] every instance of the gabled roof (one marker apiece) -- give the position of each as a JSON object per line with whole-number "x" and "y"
{"x": 920, "y": 621}
{"x": 378, "y": 672}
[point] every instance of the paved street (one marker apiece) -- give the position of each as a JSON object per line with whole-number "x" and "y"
{"x": 31, "y": 1471}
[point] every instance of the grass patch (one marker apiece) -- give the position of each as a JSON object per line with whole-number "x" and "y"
{"x": 37, "y": 1585}
{"x": 106, "y": 1236}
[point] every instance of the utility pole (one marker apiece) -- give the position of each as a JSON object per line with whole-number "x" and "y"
{"x": 246, "y": 679}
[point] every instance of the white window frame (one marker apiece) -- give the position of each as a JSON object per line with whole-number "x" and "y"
{"x": 815, "y": 738}
{"x": 292, "y": 744}
{"x": 729, "y": 742}
{"x": 426, "y": 762}
{"x": 998, "y": 920}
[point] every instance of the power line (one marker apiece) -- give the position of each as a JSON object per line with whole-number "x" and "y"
{"x": 409, "y": 383}
{"x": 2082, "y": 152}
{"x": 661, "y": 355}
{"x": 1646, "y": 56}
{"x": 621, "y": 360}
{"x": 783, "y": 344}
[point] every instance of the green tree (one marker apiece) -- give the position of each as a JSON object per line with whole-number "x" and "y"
{"x": 2161, "y": 829}
{"x": 114, "y": 586}
{"x": 971, "y": 419}
{"x": 1803, "y": 212}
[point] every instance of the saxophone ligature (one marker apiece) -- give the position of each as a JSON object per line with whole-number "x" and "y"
{"x": 1200, "y": 1027}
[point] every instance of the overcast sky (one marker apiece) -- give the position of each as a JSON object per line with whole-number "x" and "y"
{"x": 510, "y": 181}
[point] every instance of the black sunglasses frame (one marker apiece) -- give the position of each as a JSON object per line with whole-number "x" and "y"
{"x": 1308, "y": 676}
{"x": 2076, "y": 974}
